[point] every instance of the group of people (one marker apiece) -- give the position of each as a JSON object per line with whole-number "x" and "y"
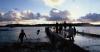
{"x": 22, "y": 35}
{"x": 60, "y": 27}
{"x": 70, "y": 32}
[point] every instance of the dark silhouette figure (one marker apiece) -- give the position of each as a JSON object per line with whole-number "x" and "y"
{"x": 38, "y": 31}
{"x": 60, "y": 29}
{"x": 64, "y": 25}
{"x": 74, "y": 31}
{"x": 47, "y": 30}
{"x": 56, "y": 27}
{"x": 70, "y": 33}
{"x": 21, "y": 36}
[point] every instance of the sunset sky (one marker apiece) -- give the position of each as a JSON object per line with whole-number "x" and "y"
{"x": 46, "y": 11}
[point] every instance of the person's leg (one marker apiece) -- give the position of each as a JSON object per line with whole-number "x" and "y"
{"x": 21, "y": 40}
{"x": 72, "y": 38}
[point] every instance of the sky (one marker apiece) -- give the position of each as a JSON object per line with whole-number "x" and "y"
{"x": 49, "y": 10}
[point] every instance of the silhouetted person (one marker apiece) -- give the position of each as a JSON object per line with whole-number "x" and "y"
{"x": 38, "y": 31}
{"x": 60, "y": 29}
{"x": 47, "y": 30}
{"x": 21, "y": 36}
{"x": 64, "y": 25}
{"x": 56, "y": 27}
{"x": 65, "y": 35}
{"x": 74, "y": 31}
{"x": 70, "y": 33}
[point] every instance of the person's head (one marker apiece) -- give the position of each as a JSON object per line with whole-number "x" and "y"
{"x": 56, "y": 22}
{"x": 22, "y": 30}
{"x": 64, "y": 21}
{"x": 38, "y": 30}
{"x": 74, "y": 27}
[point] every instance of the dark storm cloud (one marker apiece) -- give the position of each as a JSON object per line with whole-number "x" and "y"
{"x": 92, "y": 17}
{"x": 58, "y": 15}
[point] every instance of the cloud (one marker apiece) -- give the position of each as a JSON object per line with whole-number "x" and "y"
{"x": 53, "y": 3}
{"x": 1, "y": 14}
{"x": 27, "y": 16}
{"x": 12, "y": 15}
{"x": 91, "y": 17}
{"x": 57, "y": 15}
{"x": 15, "y": 15}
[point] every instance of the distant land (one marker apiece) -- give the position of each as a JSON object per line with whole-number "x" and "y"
{"x": 38, "y": 25}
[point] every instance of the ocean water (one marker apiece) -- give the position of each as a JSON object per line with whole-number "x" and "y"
{"x": 90, "y": 29}
{"x": 11, "y": 34}
{"x": 89, "y": 43}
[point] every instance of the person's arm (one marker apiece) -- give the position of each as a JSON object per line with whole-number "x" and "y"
{"x": 25, "y": 35}
{"x": 19, "y": 36}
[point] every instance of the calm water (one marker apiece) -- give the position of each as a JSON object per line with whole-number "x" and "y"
{"x": 94, "y": 30}
{"x": 11, "y": 34}
{"x": 89, "y": 43}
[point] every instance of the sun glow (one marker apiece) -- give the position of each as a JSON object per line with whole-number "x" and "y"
{"x": 53, "y": 3}
{"x": 35, "y": 21}
{"x": 95, "y": 23}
